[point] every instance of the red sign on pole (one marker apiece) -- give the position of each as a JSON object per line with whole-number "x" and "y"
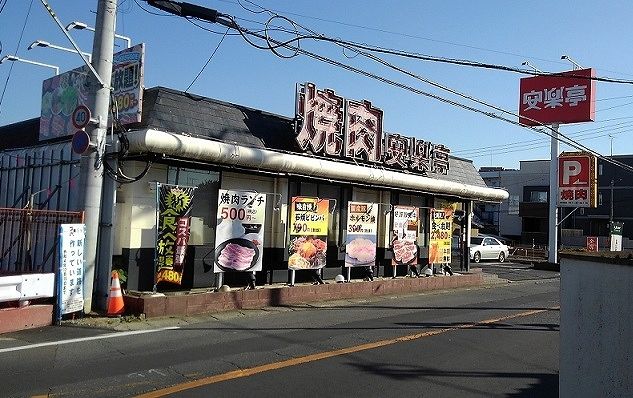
{"x": 567, "y": 97}
{"x": 577, "y": 184}
{"x": 592, "y": 243}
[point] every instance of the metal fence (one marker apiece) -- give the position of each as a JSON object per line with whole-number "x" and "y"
{"x": 29, "y": 239}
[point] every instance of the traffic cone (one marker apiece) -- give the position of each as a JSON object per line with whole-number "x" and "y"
{"x": 115, "y": 299}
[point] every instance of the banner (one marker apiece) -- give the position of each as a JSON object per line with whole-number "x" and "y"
{"x": 360, "y": 242}
{"x": 173, "y": 205}
{"x": 309, "y": 220}
{"x": 239, "y": 236}
{"x": 405, "y": 235}
{"x": 70, "y": 298}
{"x": 616, "y": 236}
{"x": 441, "y": 233}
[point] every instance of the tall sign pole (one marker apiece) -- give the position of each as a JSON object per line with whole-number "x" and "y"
{"x": 552, "y": 256}
{"x": 91, "y": 172}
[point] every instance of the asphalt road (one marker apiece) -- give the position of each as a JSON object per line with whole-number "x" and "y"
{"x": 515, "y": 271}
{"x": 501, "y": 340}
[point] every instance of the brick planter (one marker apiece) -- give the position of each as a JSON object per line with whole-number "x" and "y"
{"x": 209, "y": 302}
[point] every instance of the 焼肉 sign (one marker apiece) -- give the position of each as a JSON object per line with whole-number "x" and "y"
{"x": 239, "y": 236}
{"x": 577, "y": 182}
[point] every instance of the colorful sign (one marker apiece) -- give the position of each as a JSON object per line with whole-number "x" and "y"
{"x": 309, "y": 220}
{"x": 172, "y": 230}
{"x": 577, "y": 182}
{"x": 360, "y": 242}
{"x": 239, "y": 236}
{"x": 592, "y": 243}
{"x": 63, "y": 94}
{"x": 567, "y": 97}
{"x": 441, "y": 233}
{"x": 330, "y": 125}
{"x": 405, "y": 235}
{"x": 72, "y": 238}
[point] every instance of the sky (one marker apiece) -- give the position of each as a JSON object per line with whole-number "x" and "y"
{"x": 500, "y": 32}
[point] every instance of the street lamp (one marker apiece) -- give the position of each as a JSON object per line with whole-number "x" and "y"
{"x": 529, "y": 65}
{"x": 576, "y": 64}
{"x": 81, "y": 26}
{"x": 13, "y": 58}
{"x": 42, "y": 43}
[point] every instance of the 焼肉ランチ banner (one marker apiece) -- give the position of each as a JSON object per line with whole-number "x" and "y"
{"x": 308, "y": 223}
{"x": 360, "y": 243}
{"x": 441, "y": 233}
{"x": 405, "y": 235}
{"x": 70, "y": 279}
{"x": 239, "y": 236}
{"x": 173, "y": 205}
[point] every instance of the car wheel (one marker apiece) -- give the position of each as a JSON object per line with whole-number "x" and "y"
{"x": 477, "y": 257}
{"x": 502, "y": 257}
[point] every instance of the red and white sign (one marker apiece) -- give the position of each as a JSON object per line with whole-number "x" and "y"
{"x": 577, "y": 184}
{"x": 567, "y": 97}
{"x": 592, "y": 243}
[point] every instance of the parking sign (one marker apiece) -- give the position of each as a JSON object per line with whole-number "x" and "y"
{"x": 577, "y": 184}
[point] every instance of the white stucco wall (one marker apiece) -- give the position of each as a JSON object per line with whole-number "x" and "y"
{"x": 596, "y": 329}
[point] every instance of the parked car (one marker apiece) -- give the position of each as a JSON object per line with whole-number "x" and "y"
{"x": 487, "y": 248}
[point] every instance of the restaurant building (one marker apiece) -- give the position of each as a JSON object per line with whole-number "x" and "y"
{"x": 332, "y": 151}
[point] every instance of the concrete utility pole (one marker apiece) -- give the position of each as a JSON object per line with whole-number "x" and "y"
{"x": 92, "y": 171}
{"x": 552, "y": 256}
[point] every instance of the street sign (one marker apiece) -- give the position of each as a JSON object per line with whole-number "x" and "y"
{"x": 592, "y": 243}
{"x": 81, "y": 116}
{"x": 80, "y": 142}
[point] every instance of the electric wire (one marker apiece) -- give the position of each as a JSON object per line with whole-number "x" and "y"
{"x": 208, "y": 60}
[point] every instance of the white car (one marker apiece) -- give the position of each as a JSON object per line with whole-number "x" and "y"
{"x": 487, "y": 248}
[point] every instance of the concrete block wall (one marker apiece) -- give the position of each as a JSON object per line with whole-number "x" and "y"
{"x": 596, "y": 328}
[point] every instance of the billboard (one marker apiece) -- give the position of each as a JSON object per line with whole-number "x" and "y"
{"x": 63, "y": 93}
{"x": 567, "y": 97}
{"x": 577, "y": 182}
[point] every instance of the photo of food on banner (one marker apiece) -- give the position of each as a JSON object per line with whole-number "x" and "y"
{"x": 404, "y": 235}
{"x": 308, "y": 231}
{"x": 239, "y": 234}
{"x": 360, "y": 242}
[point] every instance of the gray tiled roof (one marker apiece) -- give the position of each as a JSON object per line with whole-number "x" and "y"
{"x": 178, "y": 112}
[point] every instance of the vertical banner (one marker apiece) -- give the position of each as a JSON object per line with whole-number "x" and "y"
{"x": 360, "y": 242}
{"x": 70, "y": 297}
{"x": 404, "y": 235}
{"x": 308, "y": 223}
{"x": 239, "y": 236}
{"x": 172, "y": 230}
{"x": 592, "y": 244}
{"x": 441, "y": 233}
{"x": 616, "y": 236}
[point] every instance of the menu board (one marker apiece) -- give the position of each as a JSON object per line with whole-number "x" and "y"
{"x": 308, "y": 223}
{"x": 405, "y": 235}
{"x": 360, "y": 243}
{"x": 441, "y": 233}
{"x": 239, "y": 236}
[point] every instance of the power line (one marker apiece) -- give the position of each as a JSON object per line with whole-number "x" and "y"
{"x": 208, "y": 60}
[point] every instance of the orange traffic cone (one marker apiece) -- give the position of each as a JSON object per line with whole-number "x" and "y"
{"x": 115, "y": 299}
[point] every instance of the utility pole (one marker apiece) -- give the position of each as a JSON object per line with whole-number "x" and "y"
{"x": 92, "y": 170}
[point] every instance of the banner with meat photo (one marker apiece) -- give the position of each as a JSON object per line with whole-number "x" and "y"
{"x": 405, "y": 235}
{"x": 441, "y": 233}
{"x": 239, "y": 236}
{"x": 173, "y": 205}
{"x": 308, "y": 223}
{"x": 360, "y": 243}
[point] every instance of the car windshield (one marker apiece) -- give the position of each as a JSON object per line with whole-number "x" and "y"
{"x": 476, "y": 241}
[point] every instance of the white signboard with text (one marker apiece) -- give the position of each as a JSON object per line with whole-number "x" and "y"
{"x": 70, "y": 285}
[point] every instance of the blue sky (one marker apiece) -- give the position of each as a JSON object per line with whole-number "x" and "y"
{"x": 498, "y": 32}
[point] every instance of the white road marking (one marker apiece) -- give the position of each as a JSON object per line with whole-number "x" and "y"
{"x": 82, "y": 339}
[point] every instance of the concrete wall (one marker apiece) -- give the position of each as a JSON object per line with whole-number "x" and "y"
{"x": 596, "y": 328}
